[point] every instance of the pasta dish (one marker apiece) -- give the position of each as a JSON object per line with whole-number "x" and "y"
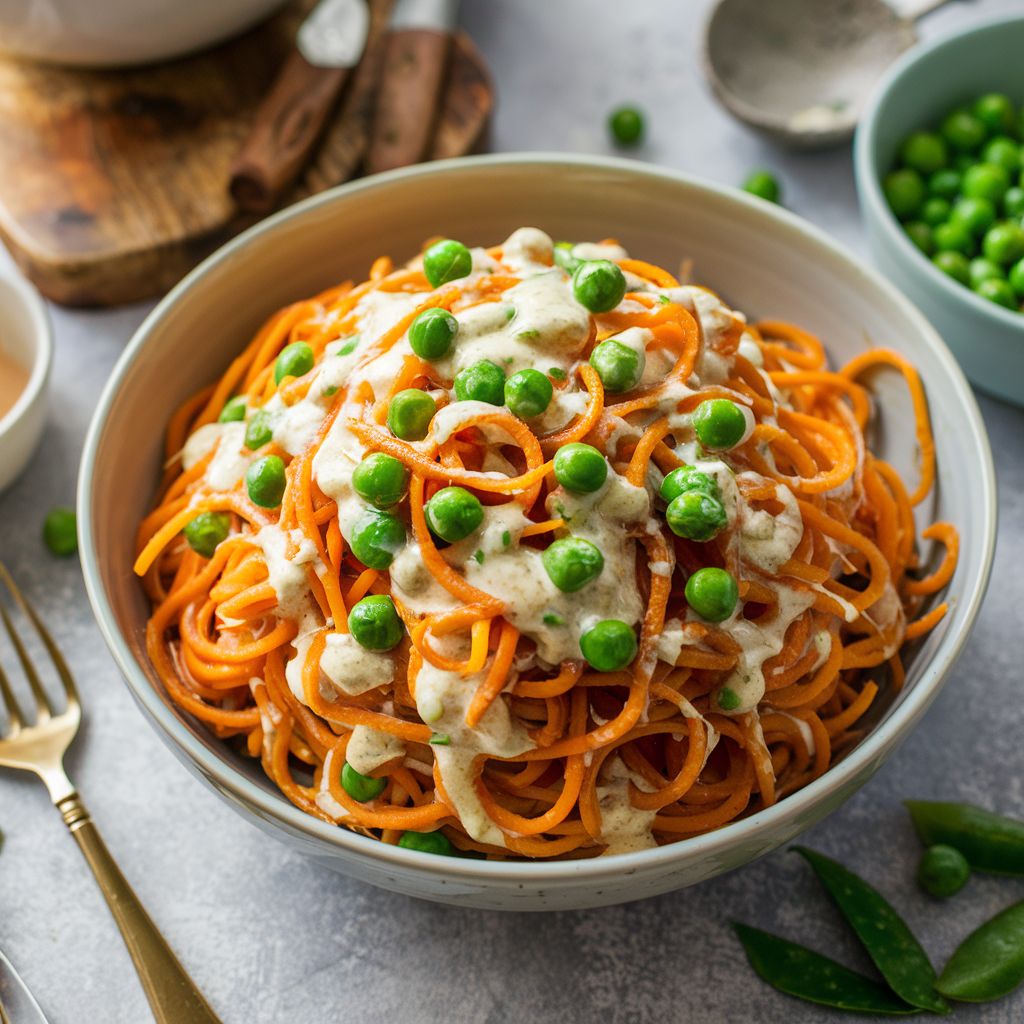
{"x": 535, "y": 551}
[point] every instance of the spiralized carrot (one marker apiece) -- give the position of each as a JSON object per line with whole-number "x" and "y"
{"x": 650, "y": 739}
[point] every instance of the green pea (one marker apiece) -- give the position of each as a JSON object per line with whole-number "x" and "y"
{"x": 982, "y": 269}
{"x": 374, "y": 623}
{"x": 528, "y": 393}
{"x": 936, "y": 210}
{"x": 954, "y": 265}
{"x": 963, "y": 162}
{"x": 265, "y": 480}
{"x": 481, "y": 382}
{"x": 764, "y": 185}
{"x": 233, "y": 411}
{"x": 712, "y": 593}
{"x": 580, "y": 468}
{"x": 432, "y": 333}
{"x": 1004, "y": 243}
{"x": 598, "y": 285}
{"x": 985, "y": 181}
{"x": 564, "y": 258}
{"x": 999, "y": 292}
{"x": 361, "y": 787}
{"x": 446, "y": 261}
{"x": 963, "y": 131}
{"x": 376, "y": 538}
{"x": 945, "y": 184}
{"x": 688, "y": 478}
{"x": 259, "y": 430}
{"x": 953, "y": 236}
{"x": 626, "y": 125}
{"x": 453, "y": 513}
{"x": 410, "y": 413}
{"x": 921, "y": 235}
{"x": 719, "y": 423}
{"x": 995, "y": 111}
{"x": 904, "y": 191}
{"x": 989, "y": 841}
{"x": 572, "y": 563}
{"x": 1003, "y": 152}
{"x": 975, "y": 214}
{"x": 60, "y": 531}
{"x": 1013, "y": 201}
{"x": 609, "y": 645}
{"x": 295, "y": 360}
{"x": 381, "y": 480}
{"x": 925, "y": 152}
{"x": 943, "y": 871}
{"x": 619, "y": 366}
{"x": 428, "y": 842}
{"x": 206, "y": 531}
{"x": 1016, "y": 278}
{"x": 696, "y": 516}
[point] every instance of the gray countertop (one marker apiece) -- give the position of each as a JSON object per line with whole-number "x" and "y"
{"x": 271, "y": 937}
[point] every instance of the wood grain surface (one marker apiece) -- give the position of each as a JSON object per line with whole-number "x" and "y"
{"x": 113, "y": 184}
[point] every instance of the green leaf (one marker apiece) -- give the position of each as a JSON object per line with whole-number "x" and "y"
{"x": 801, "y": 972}
{"x": 882, "y": 932}
{"x": 989, "y": 963}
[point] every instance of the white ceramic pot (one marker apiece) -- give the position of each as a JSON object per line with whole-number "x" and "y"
{"x": 93, "y": 33}
{"x": 761, "y": 258}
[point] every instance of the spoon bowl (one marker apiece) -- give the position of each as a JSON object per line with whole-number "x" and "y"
{"x": 800, "y": 70}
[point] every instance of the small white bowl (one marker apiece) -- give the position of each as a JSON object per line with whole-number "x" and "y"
{"x": 764, "y": 260}
{"x": 25, "y": 337}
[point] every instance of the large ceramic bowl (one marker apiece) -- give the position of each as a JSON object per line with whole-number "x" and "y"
{"x": 761, "y": 258}
{"x": 919, "y": 89}
{"x": 90, "y": 33}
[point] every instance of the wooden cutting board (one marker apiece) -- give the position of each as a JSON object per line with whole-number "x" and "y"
{"x": 113, "y": 184}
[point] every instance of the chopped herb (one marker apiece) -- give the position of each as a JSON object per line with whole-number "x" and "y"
{"x": 330, "y": 390}
{"x": 440, "y": 739}
{"x": 531, "y": 332}
{"x": 507, "y": 360}
{"x": 664, "y": 300}
{"x": 506, "y": 538}
{"x": 479, "y": 556}
{"x": 349, "y": 346}
{"x": 551, "y": 619}
{"x": 510, "y": 313}
{"x": 557, "y": 373}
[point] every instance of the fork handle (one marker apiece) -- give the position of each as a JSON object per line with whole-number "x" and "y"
{"x": 173, "y": 996}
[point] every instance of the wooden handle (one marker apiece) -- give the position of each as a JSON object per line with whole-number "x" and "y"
{"x": 287, "y": 124}
{"x": 414, "y": 68}
{"x": 466, "y": 105}
{"x": 173, "y": 996}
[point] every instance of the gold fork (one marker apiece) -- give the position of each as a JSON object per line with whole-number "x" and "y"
{"x": 40, "y": 748}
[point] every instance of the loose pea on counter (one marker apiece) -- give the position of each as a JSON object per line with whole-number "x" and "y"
{"x": 626, "y": 125}
{"x": 959, "y": 193}
{"x": 60, "y": 531}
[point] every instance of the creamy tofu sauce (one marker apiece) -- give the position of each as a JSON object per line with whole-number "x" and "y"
{"x": 536, "y": 324}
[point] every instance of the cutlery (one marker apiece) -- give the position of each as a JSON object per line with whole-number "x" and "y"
{"x": 415, "y": 62}
{"x": 329, "y": 43}
{"x": 16, "y": 1003}
{"x": 40, "y": 747}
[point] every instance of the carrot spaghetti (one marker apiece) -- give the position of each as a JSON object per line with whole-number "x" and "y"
{"x": 534, "y": 551}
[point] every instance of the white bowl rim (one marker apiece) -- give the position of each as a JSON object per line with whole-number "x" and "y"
{"x": 42, "y": 353}
{"x": 865, "y": 142}
{"x": 272, "y": 805}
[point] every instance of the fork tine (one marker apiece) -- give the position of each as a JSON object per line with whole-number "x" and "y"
{"x": 44, "y": 709}
{"x": 13, "y": 711}
{"x": 48, "y": 642}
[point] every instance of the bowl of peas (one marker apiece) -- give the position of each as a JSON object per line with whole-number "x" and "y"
{"x": 939, "y": 160}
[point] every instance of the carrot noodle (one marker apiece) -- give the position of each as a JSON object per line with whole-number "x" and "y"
{"x": 244, "y": 640}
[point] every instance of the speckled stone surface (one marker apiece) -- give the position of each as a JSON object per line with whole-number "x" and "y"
{"x": 272, "y": 938}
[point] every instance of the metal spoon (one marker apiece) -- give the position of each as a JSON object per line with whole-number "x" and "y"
{"x": 800, "y": 70}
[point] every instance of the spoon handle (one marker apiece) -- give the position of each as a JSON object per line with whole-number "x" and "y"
{"x": 914, "y": 10}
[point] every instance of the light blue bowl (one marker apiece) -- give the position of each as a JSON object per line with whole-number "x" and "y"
{"x": 920, "y": 88}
